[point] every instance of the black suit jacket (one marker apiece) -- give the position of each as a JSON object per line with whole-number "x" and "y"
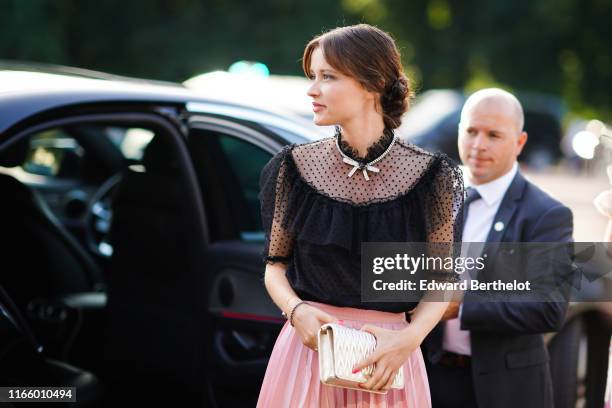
{"x": 509, "y": 359}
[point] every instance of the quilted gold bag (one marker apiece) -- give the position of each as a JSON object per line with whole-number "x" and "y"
{"x": 340, "y": 349}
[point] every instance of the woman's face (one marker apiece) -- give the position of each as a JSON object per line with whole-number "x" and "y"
{"x": 336, "y": 97}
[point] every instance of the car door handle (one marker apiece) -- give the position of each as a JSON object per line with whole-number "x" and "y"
{"x": 247, "y": 342}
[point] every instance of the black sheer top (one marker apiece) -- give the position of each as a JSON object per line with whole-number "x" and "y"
{"x": 315, "y": 217}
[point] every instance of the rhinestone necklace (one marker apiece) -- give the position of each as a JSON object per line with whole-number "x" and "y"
{"x": 364, "y": 167}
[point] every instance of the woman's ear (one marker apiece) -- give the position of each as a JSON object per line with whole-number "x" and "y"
{"x": 375, "y": 97}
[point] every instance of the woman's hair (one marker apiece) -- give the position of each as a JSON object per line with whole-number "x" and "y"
{"x": 369, "y": 55}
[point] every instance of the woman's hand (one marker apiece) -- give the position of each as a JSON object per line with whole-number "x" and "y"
{"x": 307, "y": 320}
{"x": 393, "y": 347}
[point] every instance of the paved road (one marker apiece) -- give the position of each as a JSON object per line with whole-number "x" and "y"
{"x": 577, "y": 192}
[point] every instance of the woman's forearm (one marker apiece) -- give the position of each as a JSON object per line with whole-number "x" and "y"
{"x": 425, "y": 317}
{"x": 278, "y": 287}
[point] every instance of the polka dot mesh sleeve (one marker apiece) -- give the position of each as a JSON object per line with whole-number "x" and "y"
{"x": 443, "y": 206}
{"x": 275, "y": 182}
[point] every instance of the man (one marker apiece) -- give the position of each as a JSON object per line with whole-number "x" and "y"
{"x": 492, "y": 354}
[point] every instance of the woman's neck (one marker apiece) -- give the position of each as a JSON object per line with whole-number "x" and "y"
{"x": 360, "y": 134}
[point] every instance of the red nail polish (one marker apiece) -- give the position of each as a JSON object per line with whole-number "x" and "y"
{"x": 356, "y": 370}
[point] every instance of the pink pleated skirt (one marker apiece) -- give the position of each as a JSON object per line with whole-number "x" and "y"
{"x": 292, "y": 376}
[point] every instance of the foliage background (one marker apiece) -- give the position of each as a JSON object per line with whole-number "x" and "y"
{"x": 561, "y": 47}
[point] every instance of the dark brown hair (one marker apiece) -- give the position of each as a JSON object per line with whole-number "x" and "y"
{"x": 369, "y": 55}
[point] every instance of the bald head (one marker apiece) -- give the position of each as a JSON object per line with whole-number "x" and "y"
{"x": 491, "y": 134}
{"x": 494, "y": 98}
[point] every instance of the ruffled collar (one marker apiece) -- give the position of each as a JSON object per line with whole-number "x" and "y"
{"x": 373, "y": 151}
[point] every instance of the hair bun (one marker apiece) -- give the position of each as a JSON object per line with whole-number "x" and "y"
{"x": 394, "y": 101}
{"x": 396, "y": 88}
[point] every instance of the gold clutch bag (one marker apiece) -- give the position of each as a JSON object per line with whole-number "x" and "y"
{"x": 340, "y": 349}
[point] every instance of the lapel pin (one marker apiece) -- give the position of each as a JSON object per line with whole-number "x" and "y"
{"x": 499, "y": 226}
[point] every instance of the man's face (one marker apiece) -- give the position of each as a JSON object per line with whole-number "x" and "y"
{"x": 490, "y": 140}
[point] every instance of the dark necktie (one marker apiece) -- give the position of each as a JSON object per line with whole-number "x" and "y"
{"x": 472, "y": 195}
{"x": 474, "y": 249}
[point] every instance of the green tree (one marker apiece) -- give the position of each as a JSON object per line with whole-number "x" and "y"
{"x": 555, "y": 46}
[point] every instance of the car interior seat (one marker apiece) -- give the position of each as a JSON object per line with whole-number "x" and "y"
{"x": 155, "y": 281}
{"x": 40, "y": 257}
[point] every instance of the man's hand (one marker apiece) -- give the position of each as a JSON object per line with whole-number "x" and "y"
{"x": 451, "y": 311}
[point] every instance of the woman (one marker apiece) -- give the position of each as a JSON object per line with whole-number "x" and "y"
{"x": 321, "y": 200}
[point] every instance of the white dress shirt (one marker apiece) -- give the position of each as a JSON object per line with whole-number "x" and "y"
{"x": 481, "y": 214}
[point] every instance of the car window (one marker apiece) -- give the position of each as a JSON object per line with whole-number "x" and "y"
{"x": 67, "y": 165}
{"x": 54, "y": 153}
{"x": 130, "y": 141}
{"x": 229, "y": 169}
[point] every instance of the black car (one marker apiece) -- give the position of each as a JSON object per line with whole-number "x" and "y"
{"x": 131, "y": 238}
{"x": 131, "y": 242}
